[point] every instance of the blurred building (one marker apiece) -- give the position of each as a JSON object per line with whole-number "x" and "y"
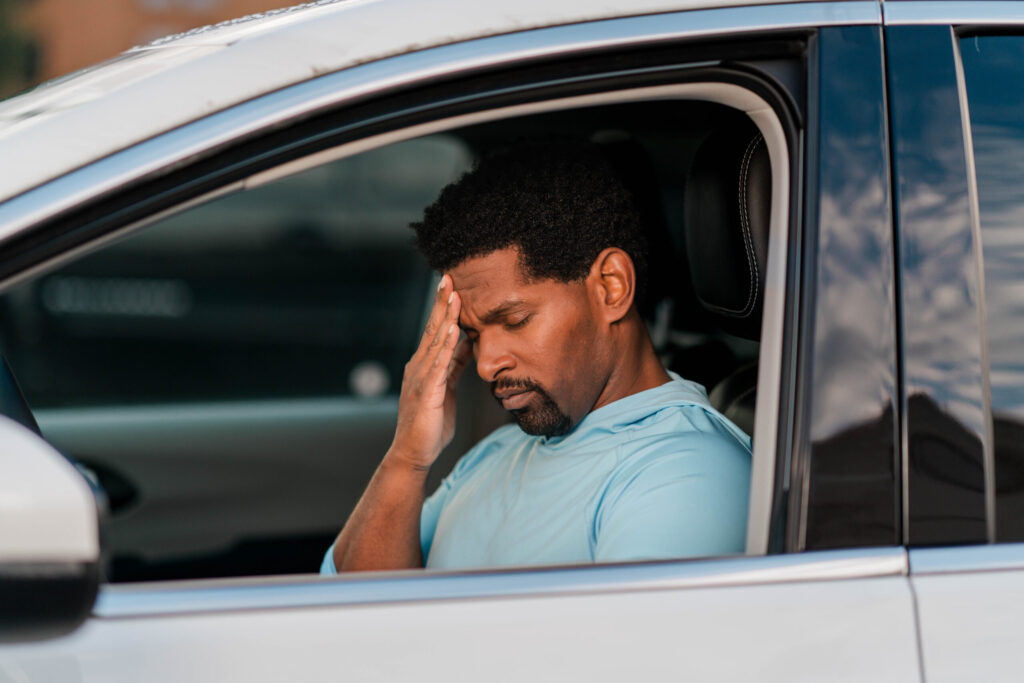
{"x": 71, "y": 34}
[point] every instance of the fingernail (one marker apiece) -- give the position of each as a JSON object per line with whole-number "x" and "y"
{"x": 452, "y": 329}
{"x": 440, "y": 284}
{"x": 451, "y": 297}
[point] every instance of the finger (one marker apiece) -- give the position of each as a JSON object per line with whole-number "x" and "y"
{"x": 438, "y": 373}
{"x": 460, "y": 359}
{"x": 438, "y": 311}
{"x": 451, "y": 316}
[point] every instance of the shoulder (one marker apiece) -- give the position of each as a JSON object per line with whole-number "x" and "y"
{"x": 687, "y": 428}
{"x": 681, "y": 446}
{"x": 679, "y": 488}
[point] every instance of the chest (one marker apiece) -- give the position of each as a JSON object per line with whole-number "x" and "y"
{"x": 522, "y": 508}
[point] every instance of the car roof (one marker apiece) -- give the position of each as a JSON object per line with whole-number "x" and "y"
{"x": 74, "y": 120}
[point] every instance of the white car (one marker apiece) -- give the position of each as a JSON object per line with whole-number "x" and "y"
{"x": 208, "y": 293}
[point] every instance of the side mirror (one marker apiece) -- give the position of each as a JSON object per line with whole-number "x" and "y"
{"x": 49, "y": 539}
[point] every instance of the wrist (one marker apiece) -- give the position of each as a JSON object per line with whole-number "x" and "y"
{"x": 411, "y": 461}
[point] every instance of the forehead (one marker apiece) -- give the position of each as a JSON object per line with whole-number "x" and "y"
{"x": 498, "y": 270}
{"x": 497, "y": 278}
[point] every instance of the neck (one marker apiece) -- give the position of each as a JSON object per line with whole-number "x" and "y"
{"x": 638, "y": 368}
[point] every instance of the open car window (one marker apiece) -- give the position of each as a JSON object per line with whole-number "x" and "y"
{"x": 230, "y": 373}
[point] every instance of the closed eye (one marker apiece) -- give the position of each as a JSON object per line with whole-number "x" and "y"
{"x": 519, "y": 323}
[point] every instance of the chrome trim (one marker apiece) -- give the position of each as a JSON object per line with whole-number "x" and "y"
{"x": 997, "y": 12}
{"x": 180, "y": 145}
{"x": 232, "y": 595}
{"x": 968, "y": 558}
{"x": 988, "y": 429}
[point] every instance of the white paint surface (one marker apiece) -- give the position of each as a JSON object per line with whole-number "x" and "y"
{"x": 972, "y": 625}
{"x": 47, "y": 511}
{"x": 859, "y": 630}
{"x": 149, "y": 90}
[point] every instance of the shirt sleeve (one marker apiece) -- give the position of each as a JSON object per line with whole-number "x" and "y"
{"x": 327, "y": 567}
{"x": 684, "y": 497}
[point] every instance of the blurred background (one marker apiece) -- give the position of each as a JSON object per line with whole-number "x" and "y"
{"x": 43, "y": 39}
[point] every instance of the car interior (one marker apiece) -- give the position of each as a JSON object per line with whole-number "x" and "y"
{"x": 229, "y": 374}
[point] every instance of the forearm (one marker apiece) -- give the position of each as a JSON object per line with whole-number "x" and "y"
{"x": 383, "y": 531}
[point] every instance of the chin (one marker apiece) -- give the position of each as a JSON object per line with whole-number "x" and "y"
{"x": 543, "y": 421}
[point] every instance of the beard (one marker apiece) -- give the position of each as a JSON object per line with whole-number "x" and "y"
{"x": 542, "y": 416}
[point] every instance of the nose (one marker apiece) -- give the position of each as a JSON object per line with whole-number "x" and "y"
{"x": 492, "y": 357}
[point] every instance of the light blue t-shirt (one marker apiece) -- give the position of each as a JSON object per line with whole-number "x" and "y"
{"x": 658, "y": 474}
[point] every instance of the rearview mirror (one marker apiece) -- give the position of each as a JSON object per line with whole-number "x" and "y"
{"x": 49, "y": 539}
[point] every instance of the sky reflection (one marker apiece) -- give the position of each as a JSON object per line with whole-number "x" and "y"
{"x": 994, "y": 72}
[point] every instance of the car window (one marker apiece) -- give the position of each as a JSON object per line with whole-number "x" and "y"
{"x": 994, "y": 75}
{"x": 308, "y": 286}
{"x": 230, "y": 373}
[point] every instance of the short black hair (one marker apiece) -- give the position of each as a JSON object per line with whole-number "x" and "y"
{"x": 560, "y": 203}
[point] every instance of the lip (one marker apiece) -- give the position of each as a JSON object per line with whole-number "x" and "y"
{"x": 516, "y": 400}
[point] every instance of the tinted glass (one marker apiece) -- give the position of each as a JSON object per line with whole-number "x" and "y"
{"x": 994, "y": 72}
{"x": 305, "y": 286}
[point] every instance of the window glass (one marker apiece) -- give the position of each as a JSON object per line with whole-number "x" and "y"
{"x": 994, "y": 72}
{"x": 307, "y": 286}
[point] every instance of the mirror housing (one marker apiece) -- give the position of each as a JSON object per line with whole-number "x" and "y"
{"x": 49, "y": 539}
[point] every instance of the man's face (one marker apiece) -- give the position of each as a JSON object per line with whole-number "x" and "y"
{"x": 538, "y": 344}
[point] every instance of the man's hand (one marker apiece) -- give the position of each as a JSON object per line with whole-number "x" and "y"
{"x": 426, "y": 406}
{"x": 383, "y": 531}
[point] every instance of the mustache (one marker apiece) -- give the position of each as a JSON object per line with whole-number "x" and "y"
{"x": 515, "y": 384}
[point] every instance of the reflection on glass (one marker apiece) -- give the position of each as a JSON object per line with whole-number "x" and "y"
{"x": 853, "y": 454}
{"x": 306, "y": 286}
{"x": 994, "y": 73}
{"x": 945, "y": 414}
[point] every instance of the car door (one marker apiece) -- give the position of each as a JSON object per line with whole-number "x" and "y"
{"x": 824, "y": 592}
{"x": 959, "y": 138}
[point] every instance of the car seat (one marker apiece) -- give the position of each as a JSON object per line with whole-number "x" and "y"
{"x": 726, "y": 221}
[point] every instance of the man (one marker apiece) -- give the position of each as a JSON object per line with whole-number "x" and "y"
{"x": 612, "y": 458}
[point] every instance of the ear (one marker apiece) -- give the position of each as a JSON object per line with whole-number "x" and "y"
{"x": 612, "y": 281}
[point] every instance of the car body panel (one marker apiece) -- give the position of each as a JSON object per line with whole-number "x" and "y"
{"x": 170, "y": 85}
{"x": 967, "y": 601}
{"x": 850, "y": 629}
{"x": 953, "y": 12}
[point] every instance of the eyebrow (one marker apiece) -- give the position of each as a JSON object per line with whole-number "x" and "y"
{"x": 500, "y": 311}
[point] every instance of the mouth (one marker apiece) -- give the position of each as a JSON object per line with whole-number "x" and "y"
{"x": 514, "y": 400}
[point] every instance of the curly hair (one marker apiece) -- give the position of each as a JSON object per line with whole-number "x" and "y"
{"x": 559, "y": 203}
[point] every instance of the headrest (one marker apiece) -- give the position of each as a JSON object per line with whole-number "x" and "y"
{"x": 727, "y": 210}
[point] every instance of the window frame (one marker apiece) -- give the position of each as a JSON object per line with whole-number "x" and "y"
{"x": 145, "y": 190}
